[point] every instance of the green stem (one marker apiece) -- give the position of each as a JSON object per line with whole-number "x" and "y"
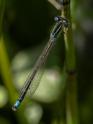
{"x": 5, "y": 66}
{"x": 5, "y": 70}
{"x": 70, "y": 65}
{"x": 4, "y": 62}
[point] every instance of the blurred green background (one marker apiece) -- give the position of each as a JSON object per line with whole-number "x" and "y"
{"x": 25, "y": 28}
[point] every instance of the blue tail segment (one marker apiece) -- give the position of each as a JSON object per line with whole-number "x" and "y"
{"x": 16, "y": 105}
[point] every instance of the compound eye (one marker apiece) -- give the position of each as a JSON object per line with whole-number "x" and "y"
{"x": 62, "y": 20}
{"x": 65, "y": 23}
{"x": 58, "y": 18}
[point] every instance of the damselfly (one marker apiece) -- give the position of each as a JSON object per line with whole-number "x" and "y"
{"x": 60, "y": 22}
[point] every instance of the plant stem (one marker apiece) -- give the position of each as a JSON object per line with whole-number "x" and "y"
{"x": 5, "y": 69}
{"x": 4, "y": 62}
{"x": 7, "y": 78}
{"x": 5, "y": 65}
{"x": 70, "y": 65}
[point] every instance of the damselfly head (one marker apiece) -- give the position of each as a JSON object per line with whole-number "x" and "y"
{"x": 64, "y": 21}
{"x": 60, "y": 22}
